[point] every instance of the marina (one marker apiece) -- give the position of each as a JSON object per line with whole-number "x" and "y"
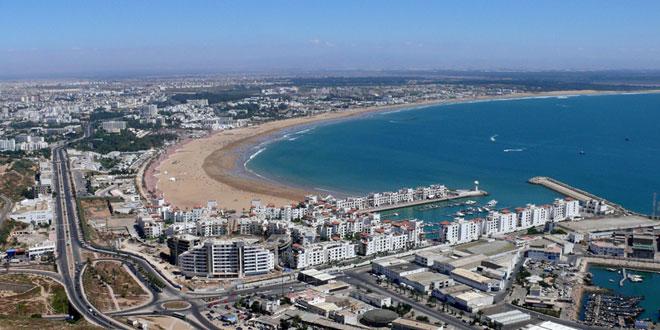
{"x": 458, "y": 194}
{"x": 627, "y": 284}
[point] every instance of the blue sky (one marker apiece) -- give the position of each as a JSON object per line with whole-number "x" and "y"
{"x": 71, "y": 37}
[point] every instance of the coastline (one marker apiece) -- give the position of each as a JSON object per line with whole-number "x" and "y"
{"x": 213, "y": 167}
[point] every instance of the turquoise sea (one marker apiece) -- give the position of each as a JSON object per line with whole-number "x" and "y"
{"x": 608, "y": 145}
{"x": 651, "y": 303}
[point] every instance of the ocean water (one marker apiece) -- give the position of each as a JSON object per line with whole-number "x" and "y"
{"x": 651, "y": 303}
{"x": 608, "y": 145}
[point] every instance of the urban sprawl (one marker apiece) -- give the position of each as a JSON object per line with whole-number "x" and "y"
{"x": 73, "y": 200}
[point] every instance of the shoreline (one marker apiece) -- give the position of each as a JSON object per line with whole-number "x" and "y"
{"x": 222, "y": 156}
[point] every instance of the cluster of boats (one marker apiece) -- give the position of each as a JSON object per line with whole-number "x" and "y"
{"x": 471, "y": 208}
{"x": 605, "y": 310}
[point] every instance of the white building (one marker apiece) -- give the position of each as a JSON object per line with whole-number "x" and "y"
{"x": 385, "y": 242}
{"x": 37, "y": 211}
{"x": 41, "y": 248}
{"x": 474, "y": 280}
{"x": 219, "y": 258}
{"x": 461, "y": 231}
{"x": 150, "y": 227}
{"x": 113, "y": 126}
{"x": 304, "y": 256}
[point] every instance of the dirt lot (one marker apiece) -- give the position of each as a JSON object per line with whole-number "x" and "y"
{"x": 101, "y": 226}
{"x": 95, "y": 209}
{"x": 25, "y": 296}
{"x": 109, "y": 287}
{"x": 163, "y": 322}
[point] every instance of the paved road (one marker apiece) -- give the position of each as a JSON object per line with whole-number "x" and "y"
{"x": 53, "y": 275}
{"x": 65, "y": 225}
{"x": 70, "y": 236}
{"x": 7, "y": 205}
{"x": 365, "y": 280}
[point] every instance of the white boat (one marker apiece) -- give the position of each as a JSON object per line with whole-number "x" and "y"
{"x": 491, "y": 203}
{"x": 459, "y": 214}
{"x": 470, "y": 202}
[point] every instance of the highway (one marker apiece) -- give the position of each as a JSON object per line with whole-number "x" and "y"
{"x": 71, "y": 243}
{"x": 68, "y": 245}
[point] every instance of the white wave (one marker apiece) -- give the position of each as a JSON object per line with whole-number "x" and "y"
{"x": 304, "y": 131}
{"x": 293, "y": 139}
{"x": 514, "y": 150}
{"x": 252, "y": 156}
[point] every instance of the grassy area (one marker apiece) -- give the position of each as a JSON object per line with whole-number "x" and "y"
{"x": 104, "y": 143}
{"x": 6, "y": 229}
{"x": 59, "y": 301}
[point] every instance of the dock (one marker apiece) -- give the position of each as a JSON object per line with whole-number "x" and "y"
{"x": 576, "y": 193}
{"x": 456, "y": 195}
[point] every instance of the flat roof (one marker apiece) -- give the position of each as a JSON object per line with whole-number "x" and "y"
{"x": 390, "y": 262}
{"x": 454, "y": 289}
{"x": 609, "y": 224}
{"x": 471, "y": 275}
{"x": 339, "y": 285}
{"x": 410, "y": 324}
{"x": 549, "y": 325}
{"x": 317, "y": 274}
{"x": 467, "y": 261}
{"x": 469, "y": 295}
{"x": 427, "y": 277}
{"x": 510, "y": 317}
{"x": 404, "y": 267}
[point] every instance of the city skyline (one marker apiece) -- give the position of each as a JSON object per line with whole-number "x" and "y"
{"x": 76, "y": 38}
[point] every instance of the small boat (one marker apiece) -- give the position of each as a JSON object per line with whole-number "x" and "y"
{"x": 611, "y": 269}
{"x": 459, "y": 214}
{"x": 611, "y": 280}
{"x": 582, "y": 153}
{"x": 396, "y": 214}
{"x": 491, "y": 203}
{"x": 470, "y": 202}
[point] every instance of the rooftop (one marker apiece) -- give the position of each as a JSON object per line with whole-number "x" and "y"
{"x": 608, "y": 224}
{"x": 470, "y": 275}
{"x": 427, "y": 277}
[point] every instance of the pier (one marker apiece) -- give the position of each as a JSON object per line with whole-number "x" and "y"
{"x": 624, "y": 278}
{"x": 576, "y": 193}
{"x": 456, "y": 195}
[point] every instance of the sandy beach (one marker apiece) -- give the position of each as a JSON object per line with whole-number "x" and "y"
{"x": 212, "y": 167}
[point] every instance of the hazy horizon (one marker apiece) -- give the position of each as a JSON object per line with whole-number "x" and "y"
{"x": 47, "y": 39}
